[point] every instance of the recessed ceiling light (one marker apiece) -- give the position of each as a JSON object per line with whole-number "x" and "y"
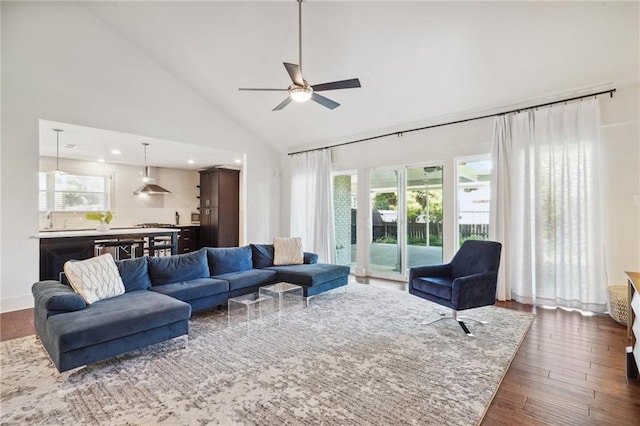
{"x": 70, "y": 146}
{"x": 190, "y": 161}
{"x": 100, "y": 160}
{"x": 115, "y": 152}
{"x": 237, "y": 161}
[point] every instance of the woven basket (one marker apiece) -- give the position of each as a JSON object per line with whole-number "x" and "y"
{"x": 619, "y": 303}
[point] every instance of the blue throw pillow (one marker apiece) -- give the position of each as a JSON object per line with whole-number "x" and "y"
{"x": 181, "y": 267}
{"x": 134, "y": 274}
{"x": 232, "y": 259}
{"x": 262, "y": 255}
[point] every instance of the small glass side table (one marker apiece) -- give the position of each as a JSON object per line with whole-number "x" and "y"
{"x": 287, "y": 296}
{"x": 248, "y": 307}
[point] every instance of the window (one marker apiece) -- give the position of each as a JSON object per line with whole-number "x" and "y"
{"x": 473, "y": 199}
{"x": 70, "y": 192}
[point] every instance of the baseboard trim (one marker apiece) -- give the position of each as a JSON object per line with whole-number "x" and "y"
{"x": 17, "y": 303}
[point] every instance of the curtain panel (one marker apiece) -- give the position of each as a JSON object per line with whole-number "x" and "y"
{"x": 312, "y": 203}
{"x": 547, "y": 210}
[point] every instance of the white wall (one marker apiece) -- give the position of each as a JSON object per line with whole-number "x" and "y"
{"x": 621, "y": 181}
{"x": 620, "y": 177}
{"x": 60, "y": 63}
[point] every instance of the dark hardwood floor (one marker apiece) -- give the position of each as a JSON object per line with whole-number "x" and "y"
{"x": 569, "y": 370}
{"x": 16, "y": 324}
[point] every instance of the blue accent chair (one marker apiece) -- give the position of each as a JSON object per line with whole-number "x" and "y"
{"x": 468, "y": 281}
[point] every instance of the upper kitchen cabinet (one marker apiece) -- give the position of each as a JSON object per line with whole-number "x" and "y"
{"x": 219, "y": 207}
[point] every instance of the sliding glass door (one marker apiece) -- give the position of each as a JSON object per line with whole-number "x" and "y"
{"x": 406, "y": 219}
{"x": 345, "y": 192}
{"x": 385, "y": 258}
{"x": 424, "y": 215}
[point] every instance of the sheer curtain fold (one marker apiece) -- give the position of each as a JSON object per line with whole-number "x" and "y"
{"x": 500, "y": 223}
{"x": 312, "y": 203}
{"x": 547, "y": 182}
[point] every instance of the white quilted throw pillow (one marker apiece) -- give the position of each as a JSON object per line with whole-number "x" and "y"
{"x": 287, "y": 251}
{"x": 95, "y": 279}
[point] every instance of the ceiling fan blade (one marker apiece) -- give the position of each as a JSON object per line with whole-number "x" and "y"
{"x": 294, "y": 73}
{"x": 282, "y": 104}
{"x": 342, "y": 84}
{"x": 262, "y": 90}
{"x": 326, "y": 102}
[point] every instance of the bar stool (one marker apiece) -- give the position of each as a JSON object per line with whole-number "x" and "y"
{"x": 126, "y": 248}
{"x": 162, "y": 241}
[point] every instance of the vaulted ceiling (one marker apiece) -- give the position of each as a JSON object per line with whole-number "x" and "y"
{"x": 417, "y": 61}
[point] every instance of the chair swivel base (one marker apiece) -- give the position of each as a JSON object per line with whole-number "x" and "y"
{"x": 455, "y": 316}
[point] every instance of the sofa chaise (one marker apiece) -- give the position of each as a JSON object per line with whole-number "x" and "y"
{"x": 160, "y": 293}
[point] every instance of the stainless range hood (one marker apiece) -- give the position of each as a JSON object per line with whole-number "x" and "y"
{"x": 149, "y": 188}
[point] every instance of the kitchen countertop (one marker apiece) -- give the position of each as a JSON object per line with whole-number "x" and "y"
{"x": 94, "y": 233}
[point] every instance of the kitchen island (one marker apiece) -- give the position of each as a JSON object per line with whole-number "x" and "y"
{"x": 59, "y": 246}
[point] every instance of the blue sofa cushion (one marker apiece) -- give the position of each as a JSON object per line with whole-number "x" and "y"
{"x": 225, "y": 260}
{"x": 114, "y": 318}
{"x": 193, "y": 289}
{"x": 440, "y": 287}
{"x": 181, "y": 267}
{"x": 55, "y": 296}
{"x": 310, "y": 274}
{"x": 243, "y": 279}
{"x": 310, "y": 258}
{"x": 134, "y": 273}
{"x": 262, "y": 255}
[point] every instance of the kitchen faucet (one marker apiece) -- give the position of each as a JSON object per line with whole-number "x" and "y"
{"x": 50, "y": 218}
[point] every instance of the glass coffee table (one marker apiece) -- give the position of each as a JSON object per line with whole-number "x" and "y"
{"x": 247, "y": 307}
{"x": 286, "y": 295}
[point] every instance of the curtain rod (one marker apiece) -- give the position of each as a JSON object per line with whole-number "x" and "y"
{"x": 401, "y": 132}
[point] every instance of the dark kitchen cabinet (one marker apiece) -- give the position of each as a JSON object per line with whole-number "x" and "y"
{"x": 188, "y": 238}
{"x": 219, "y": 207}
{"x": 55, "y": 252}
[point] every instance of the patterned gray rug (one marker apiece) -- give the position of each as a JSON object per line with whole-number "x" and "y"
{"x": 356, "y": 358}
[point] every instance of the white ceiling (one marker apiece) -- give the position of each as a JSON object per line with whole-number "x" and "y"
{"x": 97, "y": 144}
{"x": 417, "y": 61}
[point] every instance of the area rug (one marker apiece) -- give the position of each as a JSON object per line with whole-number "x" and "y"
{"x": 355, "y": 358}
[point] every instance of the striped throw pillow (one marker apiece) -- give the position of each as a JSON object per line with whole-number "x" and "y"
{"x": 94, "y": 279}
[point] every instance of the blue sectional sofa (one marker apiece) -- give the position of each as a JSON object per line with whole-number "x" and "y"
{"x": 160, "y": 295}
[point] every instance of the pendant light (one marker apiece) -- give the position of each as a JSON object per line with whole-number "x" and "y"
{"x": 57, "y": 171}
{"x": 148, "y": 187}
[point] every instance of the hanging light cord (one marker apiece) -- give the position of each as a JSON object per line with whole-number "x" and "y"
{"x": 58, "y": 148}
{"x": 146, "y": 176}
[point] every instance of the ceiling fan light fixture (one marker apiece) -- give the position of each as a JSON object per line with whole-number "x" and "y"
{"x": 300, "y": 94}
{"x": 300, "y": 90}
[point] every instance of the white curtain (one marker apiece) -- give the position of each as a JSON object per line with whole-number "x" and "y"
{"x": 500, "y": 213}
{"x": 546, "y": 181}
{"x": 312, "y": 203}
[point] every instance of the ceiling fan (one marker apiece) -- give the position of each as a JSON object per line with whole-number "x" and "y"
{"x": 300, "y": 90}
